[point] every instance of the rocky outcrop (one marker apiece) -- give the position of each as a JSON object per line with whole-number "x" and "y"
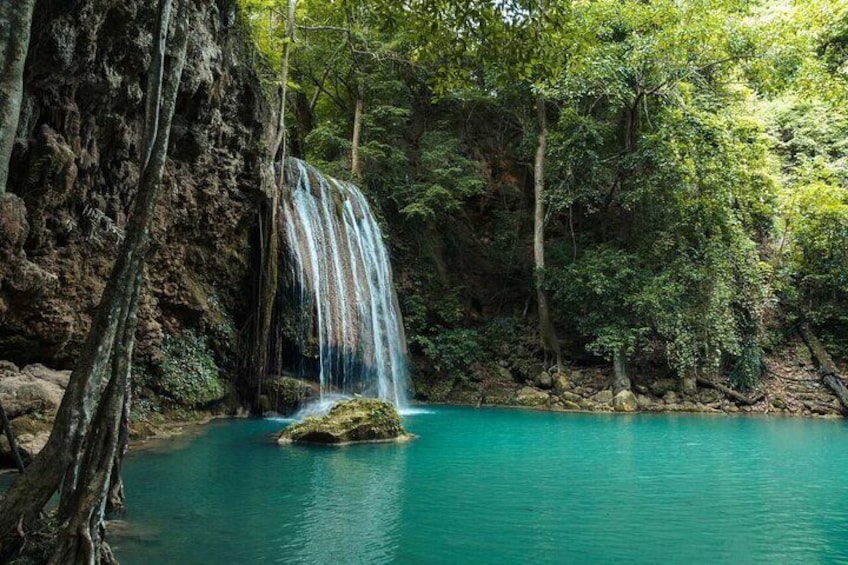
{"x": 529, "y": 396}
{"x": 358, "y": 420}
{"x": 283, "y": 395}
{"x": 625, "y": 401}
{"x": 31, "y": 397}
{"x": 35, "y": 389}
{"x": 75, "y": 171}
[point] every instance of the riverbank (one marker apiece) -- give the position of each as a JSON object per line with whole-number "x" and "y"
{"x": 791, "y": 386}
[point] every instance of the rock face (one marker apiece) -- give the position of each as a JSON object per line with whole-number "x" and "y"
{"x": 31, "y": 397}
{"x": 358, "y": 420}
{"x": 75, "y": 171}
{"x": 33, "y": 389}
{"x": 285, "y": 394}
{"x": 604, "y": 397}
{"x": 529, "y": 396}
{"x": 625, "y": 401}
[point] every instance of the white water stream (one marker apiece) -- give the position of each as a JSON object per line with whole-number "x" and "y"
{"x": 342, "y": 268}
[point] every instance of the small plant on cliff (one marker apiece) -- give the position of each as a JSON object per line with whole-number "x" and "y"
{"x": 188, "y": 372}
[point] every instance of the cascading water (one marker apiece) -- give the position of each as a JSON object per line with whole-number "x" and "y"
{"x": 342, "y": 270}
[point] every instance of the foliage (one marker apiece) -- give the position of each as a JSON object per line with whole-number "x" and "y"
{"x": 695, "y": 170}
{"x": 187, "y": 373}
{"x": 447, "y": 178}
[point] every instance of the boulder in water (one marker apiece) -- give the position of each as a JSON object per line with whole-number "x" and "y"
{"x": 358, "y": 420}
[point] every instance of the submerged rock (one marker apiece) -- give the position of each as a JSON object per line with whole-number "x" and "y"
{"x": 351, "y": 421}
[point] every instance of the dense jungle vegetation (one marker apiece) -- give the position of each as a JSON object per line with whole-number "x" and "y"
{"x": 662, "y": 183}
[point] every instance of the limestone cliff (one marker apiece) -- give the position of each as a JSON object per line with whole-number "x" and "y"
{"x": 75, "y": 169}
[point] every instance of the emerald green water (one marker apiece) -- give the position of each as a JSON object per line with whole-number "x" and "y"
{"x": 499, "y": 486}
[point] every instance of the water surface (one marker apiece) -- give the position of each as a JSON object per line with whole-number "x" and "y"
{"x": 499, "y": 486}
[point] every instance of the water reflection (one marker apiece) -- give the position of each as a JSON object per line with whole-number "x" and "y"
{"x": 353, "y": 507}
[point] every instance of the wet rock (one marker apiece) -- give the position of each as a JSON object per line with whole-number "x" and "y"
{"x": 14, "y": 226}
{"x": 561, "y": 384}
{"x": 570, "y": 396}
{"x": 284, "y": 394}
{"x": 351, "y": 421}
{"x": 778, "y": 403}
{"x": 529, "y": 396}
{"x": 34, "y": 390}
{"x": 570, "y": 405}
{"x": 31, "y": 434}
{"x": 604, "y": 397}
{"x": 544, "y": 380}
{"x": 661, "y": 386}
{"x": 625, "y": 401}
{"x": 644, "y": 402}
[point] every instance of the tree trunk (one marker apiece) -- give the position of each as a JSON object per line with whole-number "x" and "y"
{"x": 13, "y": 445}
{"x": 115, "y": 500}
{"x": 689, "y": 382}
{"x": 619, "y": 364}
{"x": 355, "y": 163}
{"x": 61, "y": 456}
{"x": 546, "y": 328}
{"x": 729, "y": 392}
{"x": 830, "y": 372}
{"x": 15, "y": 27}
{"x": 81, "y": 510}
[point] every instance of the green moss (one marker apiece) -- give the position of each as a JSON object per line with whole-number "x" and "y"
{"x": 188, "y": 374}
{"x": 356, "y": 420}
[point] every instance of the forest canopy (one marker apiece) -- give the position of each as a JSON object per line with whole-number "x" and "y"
{"x": 694, "y": 203}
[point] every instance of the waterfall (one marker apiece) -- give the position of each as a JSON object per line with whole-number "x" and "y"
{"x": 341, "y": 269}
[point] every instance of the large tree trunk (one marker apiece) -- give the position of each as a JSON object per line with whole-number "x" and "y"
{"x": 355, "y": 162}
{"x": 15, "y": 26}
{"x": 829, "y": 371}
{"x": 546, "y": 328}
{"x": 82, "y": 509}
{"x": 62, "y": 455}
{"x": 13, "y": 445}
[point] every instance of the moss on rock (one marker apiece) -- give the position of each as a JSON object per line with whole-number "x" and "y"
{"x": 351, "y": 421}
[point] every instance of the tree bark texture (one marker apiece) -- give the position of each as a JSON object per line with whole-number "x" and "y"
{"x": 619, "y": 364}
{"x": 82, "y": 509}
{"x": 730, "y": 393}
{"x": 15, "y": 29}
{"x": 546, "y": 328}
{"x": 62, "y": 455}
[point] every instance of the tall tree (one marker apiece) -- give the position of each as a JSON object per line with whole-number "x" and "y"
{"x": 15, "y": 26}
{"x": 81, "y": 448}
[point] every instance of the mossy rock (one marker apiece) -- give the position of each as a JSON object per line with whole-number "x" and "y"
{"x": 284, "y": 394}
{"x": 31, "y": 434}
{"x": 351, "y": 421}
